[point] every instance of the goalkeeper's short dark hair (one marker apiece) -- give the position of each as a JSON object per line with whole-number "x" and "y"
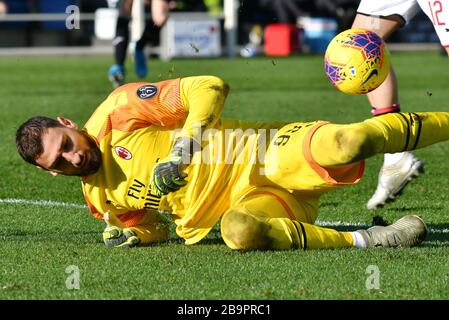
{"x": 29, "y": 137}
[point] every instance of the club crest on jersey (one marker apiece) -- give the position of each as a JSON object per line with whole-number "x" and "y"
{"x": 123, "y": 153}
{"x": 146, "y": 91}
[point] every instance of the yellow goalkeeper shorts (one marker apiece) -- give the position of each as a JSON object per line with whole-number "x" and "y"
{"x": 289, "y": 163}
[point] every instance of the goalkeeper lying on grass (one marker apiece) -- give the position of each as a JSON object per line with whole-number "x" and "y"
{"x": 163, "y": 147}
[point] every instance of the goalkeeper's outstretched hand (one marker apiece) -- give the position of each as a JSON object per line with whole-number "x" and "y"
{"x": 119, "y": 237}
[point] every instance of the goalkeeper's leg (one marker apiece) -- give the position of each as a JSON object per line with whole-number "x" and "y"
{"x": 335, "y": 145}
{"x": 272, "y": 219}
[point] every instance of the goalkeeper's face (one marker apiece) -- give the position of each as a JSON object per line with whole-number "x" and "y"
{"x": 68, "y": 151}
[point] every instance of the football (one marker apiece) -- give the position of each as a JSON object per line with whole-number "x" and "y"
{"x": 356, "y": 61}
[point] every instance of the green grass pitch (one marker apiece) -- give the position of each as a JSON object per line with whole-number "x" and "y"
{"x": 39, "y": 243}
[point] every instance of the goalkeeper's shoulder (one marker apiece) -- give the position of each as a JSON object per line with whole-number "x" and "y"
{"x": 204, "y": 82}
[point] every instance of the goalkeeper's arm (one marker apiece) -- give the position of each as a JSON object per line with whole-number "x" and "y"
{"x": 203, "y": 98}
{"x": 151, "y": 228}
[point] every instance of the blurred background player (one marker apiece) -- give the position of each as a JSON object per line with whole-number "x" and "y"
{"x": 159, "y": 11}
{"x": 384, "y": 17}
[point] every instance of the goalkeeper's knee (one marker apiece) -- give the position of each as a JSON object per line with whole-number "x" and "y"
{"x": 243, "y": 231}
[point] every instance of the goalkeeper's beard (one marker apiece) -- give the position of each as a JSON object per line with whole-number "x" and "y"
{"x": 94, "y": 161}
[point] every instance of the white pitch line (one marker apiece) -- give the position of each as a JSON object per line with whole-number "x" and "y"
{"x": 43, "y": 203}
{"x": 341, "y": 224}
{"x": 50, "y": 203}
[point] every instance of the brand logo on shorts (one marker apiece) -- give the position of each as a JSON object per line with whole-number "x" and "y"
{"x": 146, "y": 91}
{"x": 123, "y": 153}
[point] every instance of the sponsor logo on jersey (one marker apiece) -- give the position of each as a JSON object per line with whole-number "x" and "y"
{"x": 146, "y": 91}
{"x": 123, "y": 153}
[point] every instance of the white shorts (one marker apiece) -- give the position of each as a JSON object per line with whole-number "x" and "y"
{"x": 436, "y": 10}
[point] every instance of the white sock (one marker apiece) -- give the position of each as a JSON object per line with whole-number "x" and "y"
{"x": 359, "y": 242}
{"x": 391, "y": 159}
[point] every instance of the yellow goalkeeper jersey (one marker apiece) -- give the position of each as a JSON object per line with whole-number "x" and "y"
{"x": 136, "y": 126}
{"x": 132, "y": 128}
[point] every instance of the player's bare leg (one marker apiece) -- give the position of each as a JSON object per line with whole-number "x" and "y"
{"x": 116, "y": 73}
{"x": 159, "y": 15}
{"x": 398, "y": 168}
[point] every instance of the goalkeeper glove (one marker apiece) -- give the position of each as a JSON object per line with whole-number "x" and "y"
{"x": 119, "y": 238}
{"x": 167, "y": 174}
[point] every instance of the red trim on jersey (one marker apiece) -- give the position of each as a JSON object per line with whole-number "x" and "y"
{"x": 163, "y": 109}
{"x": 278, "y": 198}
{"x": 131, "y": 218}
{"x": 96, "y": 213}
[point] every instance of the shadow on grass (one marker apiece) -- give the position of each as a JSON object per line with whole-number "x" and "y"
{"x": 15, "y": 235}
{"x": 439, "y": 232}
{"x": 347, "y": 228}
{"x": 212, "y": 241}
{"x": 414, "y": 209}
